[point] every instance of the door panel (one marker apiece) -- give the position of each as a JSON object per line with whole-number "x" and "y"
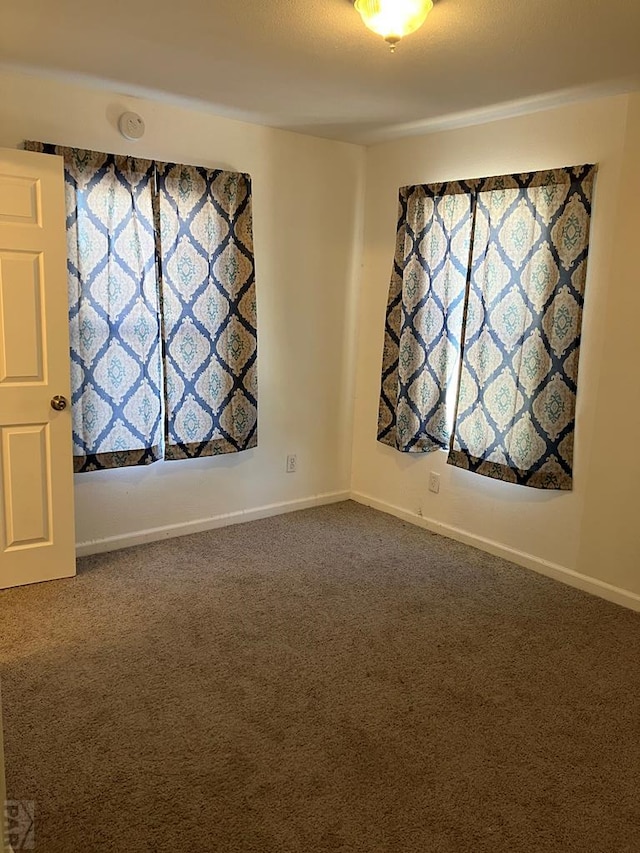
{"x": 20, "y": 199}
{"x": 21, "y": 327}
{"x": 27, "y": 512}
{"x": 36, "y": 466}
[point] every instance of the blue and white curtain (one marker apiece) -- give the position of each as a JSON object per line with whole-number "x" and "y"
{"x": 514, "y": 403}
{"x": 113, "y": 308}
{"x": 423, "y": 330}
{"x": 162, "y": 309}
{"x": 209, "y": 310}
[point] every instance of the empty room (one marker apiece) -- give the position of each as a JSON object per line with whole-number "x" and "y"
{"x": 318, "y": 362}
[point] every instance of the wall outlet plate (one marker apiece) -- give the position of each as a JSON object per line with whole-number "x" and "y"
{"x": 292, "y": 463}
{"x": 434, "y": 482}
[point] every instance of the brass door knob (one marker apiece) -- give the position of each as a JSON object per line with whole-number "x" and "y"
{"x": 58, "y": 403}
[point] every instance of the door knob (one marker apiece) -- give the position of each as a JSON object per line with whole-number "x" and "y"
{"x": 58, "y": 403}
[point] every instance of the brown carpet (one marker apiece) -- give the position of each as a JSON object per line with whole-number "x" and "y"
{"x": 329, "y": 680}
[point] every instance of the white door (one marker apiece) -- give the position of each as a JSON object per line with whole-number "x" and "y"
{"x": 37, "y": 540}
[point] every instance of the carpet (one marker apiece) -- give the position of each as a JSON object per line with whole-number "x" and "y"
{"x": 328, "y": 680}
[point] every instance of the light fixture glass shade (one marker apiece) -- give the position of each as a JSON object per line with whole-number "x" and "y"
{"x": 393, "y": 19}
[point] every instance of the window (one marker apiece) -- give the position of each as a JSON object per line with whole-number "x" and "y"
{"x": 162, "y": 309}
{"x": 483, "y": 324}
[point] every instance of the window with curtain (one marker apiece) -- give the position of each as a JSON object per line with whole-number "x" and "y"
{"x": 209, "y": 310}
{"x": 483, "y": 324}
{"x": 162, "y": 309}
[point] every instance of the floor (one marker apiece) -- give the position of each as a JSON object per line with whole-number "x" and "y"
{"x": 328, "y": 680}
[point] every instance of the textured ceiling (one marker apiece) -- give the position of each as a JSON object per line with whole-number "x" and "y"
{"x": 312, "y": 66}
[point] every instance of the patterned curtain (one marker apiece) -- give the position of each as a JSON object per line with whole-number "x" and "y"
{"x": 516, "y": 403}
{"x": 499, "y": 263}
{"x": 424, "y": 316}
{"x": 113, "y": 308}
{"x": 209, "y": 310}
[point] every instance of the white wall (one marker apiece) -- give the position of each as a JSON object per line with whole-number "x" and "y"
{"x": 558, "y": 528}
{"x": 307, "y": 203}
{"x": 610, "y": 534}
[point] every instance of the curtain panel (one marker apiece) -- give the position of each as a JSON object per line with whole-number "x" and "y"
{"x": 424, "y": 316}
{"x": 113, "y": 308}
{"x": 209, "y": 310}
{"x": 162, "y": 309}
{"x": 513, "y": 391}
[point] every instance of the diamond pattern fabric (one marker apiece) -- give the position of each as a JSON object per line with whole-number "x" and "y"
{"x": 209, "y": 310}
{"x": 499, "y": 264}
{"x": 113, "y": 308}
{"x": 162, "y": 309}
{"x": 516, "y": 408}
{"x": 424, "y": 317}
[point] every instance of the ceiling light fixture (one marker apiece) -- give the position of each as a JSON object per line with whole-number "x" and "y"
{"x": 393, "y": 19}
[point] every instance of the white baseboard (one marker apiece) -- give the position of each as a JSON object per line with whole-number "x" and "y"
{"x": 529, "y": 561}
{"x": 169, "y": 531}
{"x": 552, "y": 570}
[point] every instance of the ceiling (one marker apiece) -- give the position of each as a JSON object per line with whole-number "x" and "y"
{"x": 312, "y": 66}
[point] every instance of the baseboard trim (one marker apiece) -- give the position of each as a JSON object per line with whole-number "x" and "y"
{"x": 552, "y": 570}
{"x": 170, "y": 531}
{"x": 594, "y": 586}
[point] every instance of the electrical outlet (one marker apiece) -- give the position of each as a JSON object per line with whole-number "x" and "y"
{"x": 434, "y": 482}
{"x": 292, "y": 463}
